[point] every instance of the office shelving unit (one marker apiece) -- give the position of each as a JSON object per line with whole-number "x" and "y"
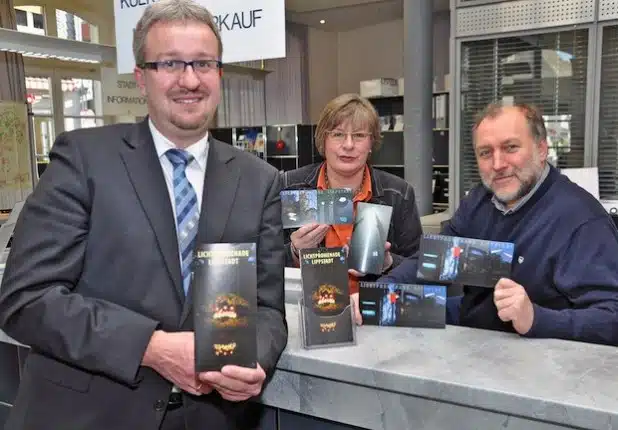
{"x": 391, "y": 155}
{"x": 285, "y": 146}
{"x": 441, "y": 183}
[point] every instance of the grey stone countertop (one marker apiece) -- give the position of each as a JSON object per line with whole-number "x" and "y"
{"x": 562, "y": 382}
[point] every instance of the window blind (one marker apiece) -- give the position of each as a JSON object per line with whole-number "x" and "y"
{"x": 608, "y": 116}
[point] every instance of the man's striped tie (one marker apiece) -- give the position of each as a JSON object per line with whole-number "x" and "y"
{"x": 187, "y": 212}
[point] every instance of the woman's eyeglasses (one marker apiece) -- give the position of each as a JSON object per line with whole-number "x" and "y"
{"x": 340, "y": 136}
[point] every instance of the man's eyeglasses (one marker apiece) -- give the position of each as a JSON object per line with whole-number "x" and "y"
{"x": 340, "y": 136}
{"x": 179, "y": 66}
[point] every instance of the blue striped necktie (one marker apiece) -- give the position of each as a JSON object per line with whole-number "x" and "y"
{"x": 187, "y": 212}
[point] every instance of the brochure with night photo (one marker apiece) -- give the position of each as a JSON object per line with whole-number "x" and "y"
{"x": 301, "y": 207}
{"x": 224, "y": 293}
{"x": 369, "y": 236}
{"x": 325, "y": 310}
{"x": 464, "y": 261}
{"x": 403, "y": 305}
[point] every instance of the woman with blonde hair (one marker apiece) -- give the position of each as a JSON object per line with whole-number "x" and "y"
{"x": 347, "y": 132}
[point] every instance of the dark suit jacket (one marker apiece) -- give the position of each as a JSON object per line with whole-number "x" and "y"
{"x": 94, "y": 270}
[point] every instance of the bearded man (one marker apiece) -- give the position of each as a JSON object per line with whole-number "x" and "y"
{"x": 564, "y": 278}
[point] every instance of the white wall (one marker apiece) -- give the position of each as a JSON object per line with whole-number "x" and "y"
{"x": 369, "y": 53}
{"x": 337, "y": 62}
{"x": 322, "y": 70}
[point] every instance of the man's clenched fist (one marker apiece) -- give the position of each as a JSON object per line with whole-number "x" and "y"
{"x": 514, "y": 305}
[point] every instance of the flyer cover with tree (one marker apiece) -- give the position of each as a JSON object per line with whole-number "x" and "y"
{"x": 224, "y": 293}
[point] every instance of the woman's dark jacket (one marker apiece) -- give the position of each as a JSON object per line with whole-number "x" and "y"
{"x": 405, "y": 230}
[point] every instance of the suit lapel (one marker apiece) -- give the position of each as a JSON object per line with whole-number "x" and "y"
{"x": 144, "y": 169}
{"x": 220, "y": 184}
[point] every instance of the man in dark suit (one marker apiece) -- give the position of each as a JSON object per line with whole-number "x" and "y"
{"x": 96, "y": 281}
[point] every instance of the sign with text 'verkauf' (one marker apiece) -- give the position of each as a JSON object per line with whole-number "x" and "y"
{"x": 121, "y": 95}
{"x": 250, "y": 30}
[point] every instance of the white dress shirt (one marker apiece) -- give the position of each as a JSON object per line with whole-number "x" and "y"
{"x": 195, "y": 170}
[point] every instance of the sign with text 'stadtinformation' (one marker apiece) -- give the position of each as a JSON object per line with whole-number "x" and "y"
{"x": 250, "y": 30}
{"x": 121, "y": 95}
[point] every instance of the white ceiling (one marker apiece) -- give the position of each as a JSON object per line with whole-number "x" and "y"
{"x": 343, "y": 15}
{"x": 339, "y": 15}
{"x": 311, "y": 5}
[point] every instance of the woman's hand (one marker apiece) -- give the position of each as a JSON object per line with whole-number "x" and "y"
{"x": 388, "y": 257}
{"x": 308, "y": 236}
{"x": 358, "y": 317}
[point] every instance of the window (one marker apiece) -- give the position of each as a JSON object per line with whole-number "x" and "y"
{"x": 81, "y": 103}
{"x": 73, "y": 27}
{"x": 607, "y": 160}
{"x": 38, "y": 21}
{"x": 30, "y": 19}
{"x": 547, "y": 70}
{"x": 81, "y": 108}
{"x": 21, "y": 17}
{"x": 39, "y": 97}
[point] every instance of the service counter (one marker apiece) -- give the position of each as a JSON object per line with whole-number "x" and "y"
{"x": 424, "y": 379}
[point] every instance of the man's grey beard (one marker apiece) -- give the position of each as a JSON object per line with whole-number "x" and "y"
{"x": 535, "y": 170}
{"x": 524, "y": 189}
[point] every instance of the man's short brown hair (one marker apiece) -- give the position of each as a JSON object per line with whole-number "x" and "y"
{"x": 348, "y": 107}
{"x": 171, "y": 11}
{"x": 533, "y": 116}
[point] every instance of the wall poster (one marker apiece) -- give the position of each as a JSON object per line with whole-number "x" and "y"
{"x": 15, "y": 154}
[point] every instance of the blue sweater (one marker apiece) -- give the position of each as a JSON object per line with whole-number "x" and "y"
{"x": 566, "y": 257}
